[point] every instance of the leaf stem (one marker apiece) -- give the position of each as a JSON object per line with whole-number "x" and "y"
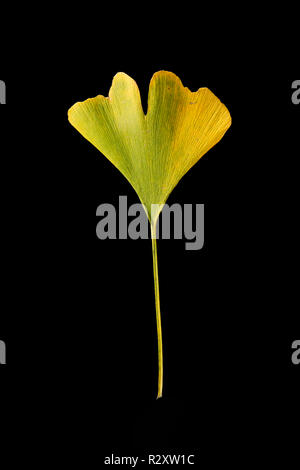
{"x": 157, "y": 308}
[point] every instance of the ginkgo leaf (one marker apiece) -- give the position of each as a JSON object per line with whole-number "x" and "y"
{"x": 153, "y": 151}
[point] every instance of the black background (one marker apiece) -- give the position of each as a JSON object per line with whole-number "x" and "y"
{"x": 79, "y": 315}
